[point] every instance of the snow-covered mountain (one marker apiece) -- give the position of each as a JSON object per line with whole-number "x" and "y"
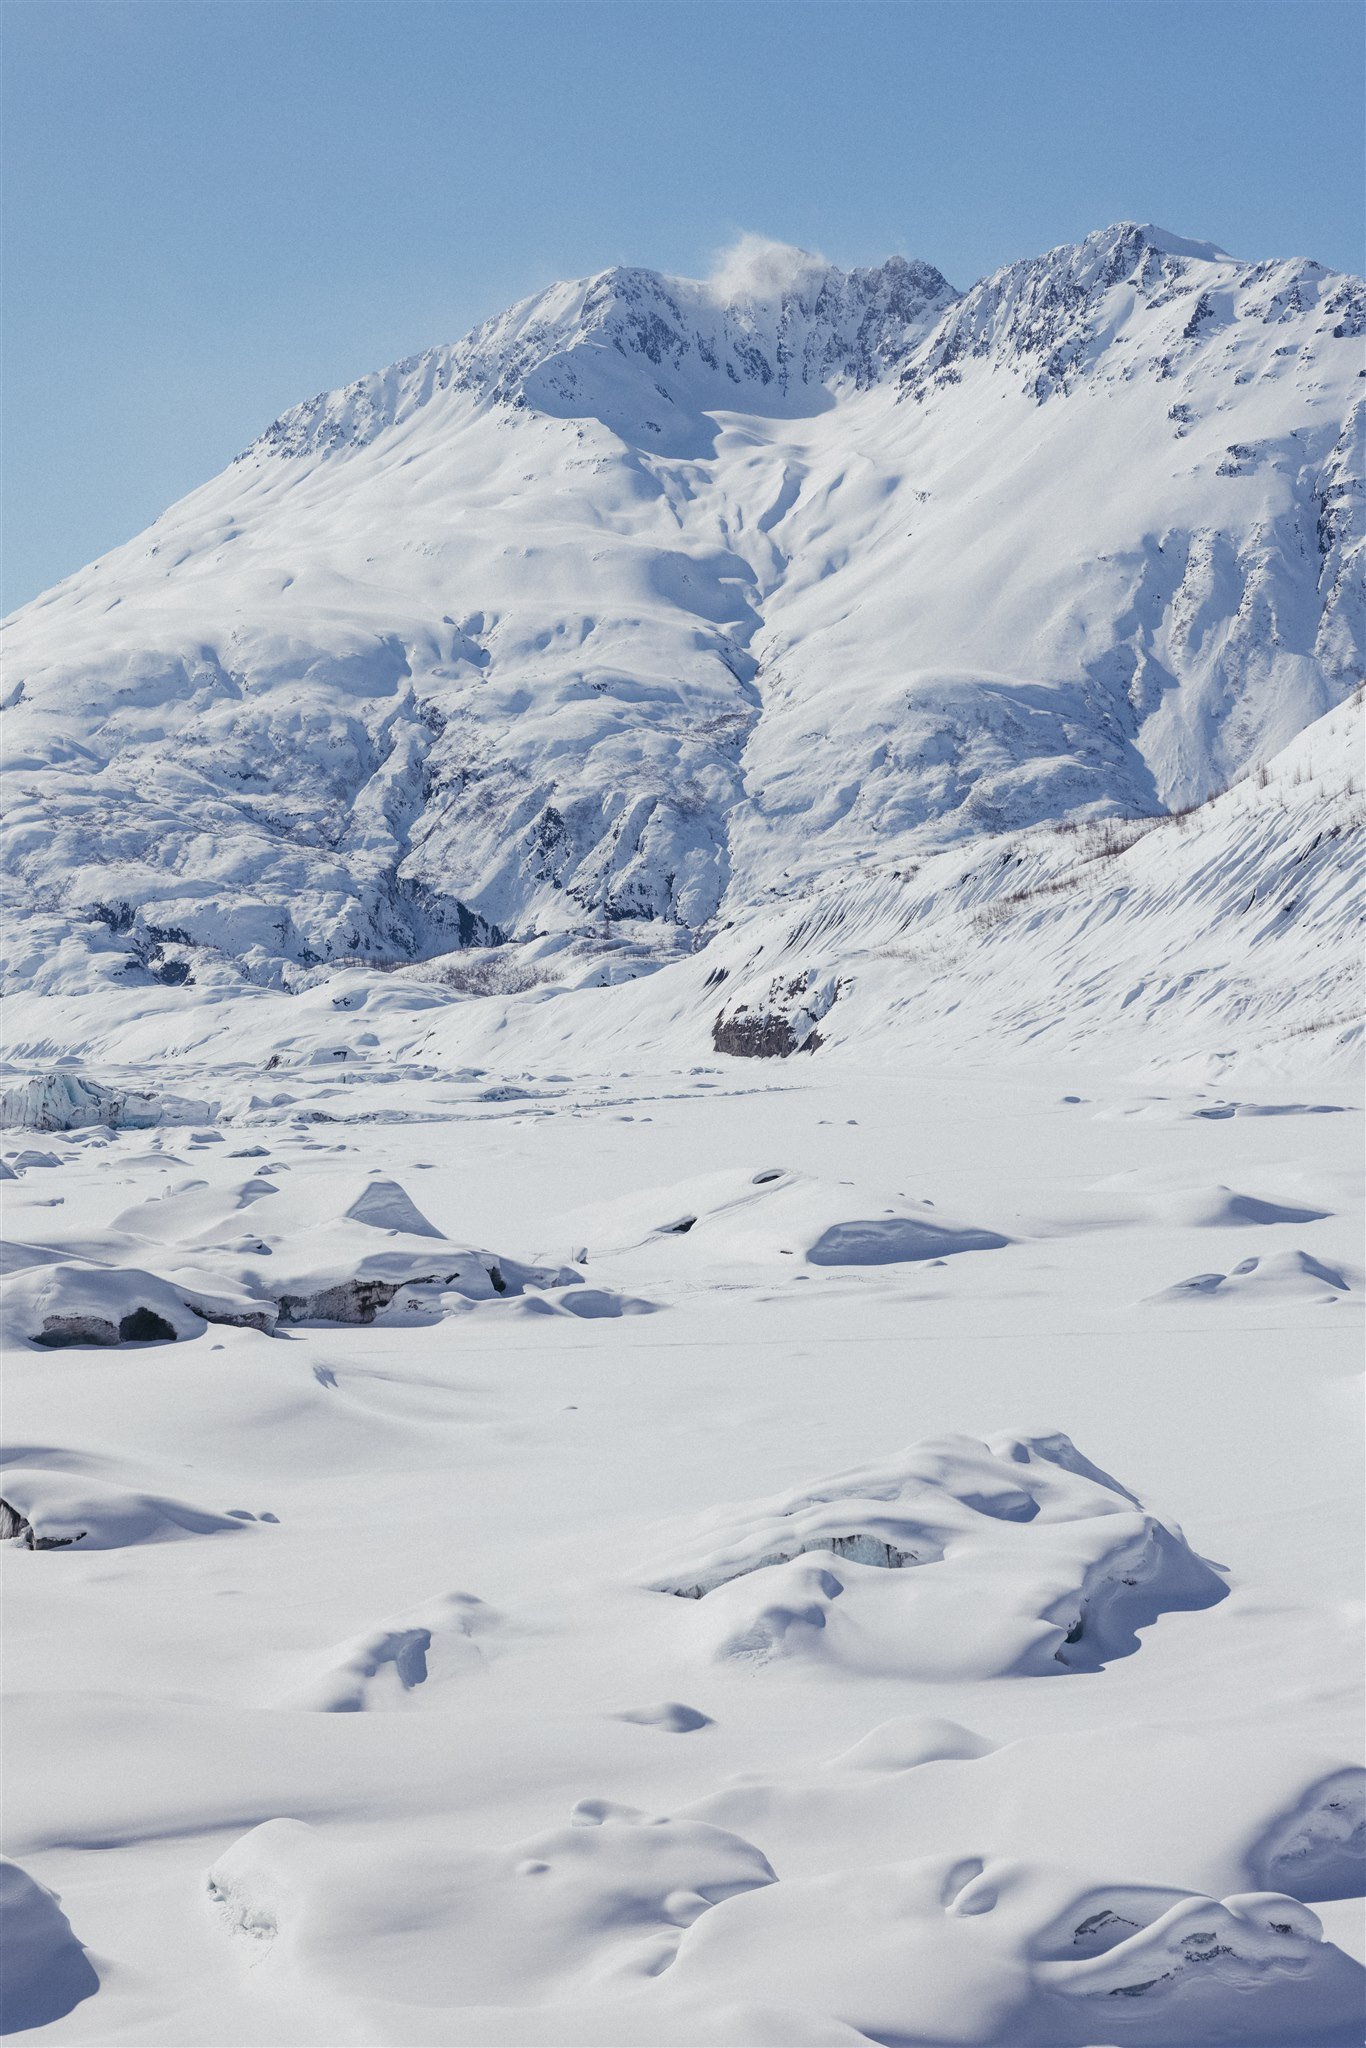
{"x": 653, "y": 602}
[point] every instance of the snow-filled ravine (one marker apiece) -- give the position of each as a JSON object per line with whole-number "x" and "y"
{"x": 569, "y": 1551}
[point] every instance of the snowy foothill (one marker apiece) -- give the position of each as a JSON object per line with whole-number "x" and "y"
{"x": 680, "y": 1149}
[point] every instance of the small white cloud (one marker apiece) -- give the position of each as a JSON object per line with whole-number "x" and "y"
{"x": 757, "y": 267}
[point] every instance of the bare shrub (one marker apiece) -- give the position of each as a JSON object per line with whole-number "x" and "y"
{"x": 484, "y": 971}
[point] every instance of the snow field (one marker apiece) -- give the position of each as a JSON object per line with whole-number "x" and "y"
{"x": 365, "y": 1708}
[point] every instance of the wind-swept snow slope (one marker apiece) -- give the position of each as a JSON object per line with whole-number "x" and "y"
{"x": 643, "y": 607}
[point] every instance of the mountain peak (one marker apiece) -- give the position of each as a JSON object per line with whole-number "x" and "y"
{"x": 1169, "y": 244}
{"x": 1053, "y": 318}
{"x": 771, "y": 331}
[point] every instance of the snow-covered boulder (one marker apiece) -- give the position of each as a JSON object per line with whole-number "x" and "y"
{"x": 941, "y": 1949}
{"x": 535, "y": 1922}
{"x": 48, "y": 1509}
{"x": 69, "y": 1302}
{"x": 348, "y": 1258}
{"x": 956, "y": 1558}
{"x": 247, "y": 1253}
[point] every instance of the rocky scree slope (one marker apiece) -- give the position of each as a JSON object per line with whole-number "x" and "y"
{"x": 647, "y": 605}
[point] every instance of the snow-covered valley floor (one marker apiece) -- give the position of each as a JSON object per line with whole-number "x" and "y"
{"x": 684, "y": 1617}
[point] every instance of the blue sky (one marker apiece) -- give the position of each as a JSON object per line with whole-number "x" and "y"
{"x": 213, "y": 208}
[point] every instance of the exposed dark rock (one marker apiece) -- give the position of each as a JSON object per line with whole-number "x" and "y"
{"x": 117, "y": 916}
{"x": 140, "y": 1326}
{"x": 349, "y": 1301}
{"x": 360, "y": 1301}
{"x": 778, "y": 1021}
{"x": 263, "y": 1319}
{"x": 13, "y": 1523}
{"x": 145, "y": 1326}
{"x": 861, "y": 1548}
{"x": 758, "y": 1035}
{"x": 60, "y": 1331}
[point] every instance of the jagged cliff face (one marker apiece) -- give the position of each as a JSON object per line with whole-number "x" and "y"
{"x": 646, "y": 600}
{"x": 650, "y": 356}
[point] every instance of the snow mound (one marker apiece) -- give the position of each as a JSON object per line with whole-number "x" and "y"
{"x": 350, "y": 1250}
{"x": 191, "y": 1211}
{"x": 47, "y": 1972}
{"x": 756, "y": 1218}
{"x": 1038, "y": 1888}
{"x": 669, "y": 1715}
{"x": 49, "y": 1510}
{"x": 589, "y": 1304}
{"x": 1318, "y": 1849}
{"x": 1258, "y": 1810}
{"x": 528, "y": 1924}
{"x": 1223, "y": 1208}
{"x": 955, "y": 1558}
{"x": 1295, "y": 1276}
{"x": 1218, "y": 1112}
{"x": 965, "y": 1950}
{"x": 25, "y": 1161}
{"x": 384, "y": 1205}
{"x": 1244, "y": 1942}
{"x": 897, "y": 1240}
{"x": 908, "y": 1741}
{"x": 347, "y": 1249}
{"x": 447, "y": 1637}
{"x": 70, "y": 1303}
